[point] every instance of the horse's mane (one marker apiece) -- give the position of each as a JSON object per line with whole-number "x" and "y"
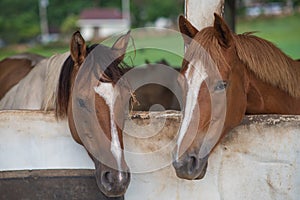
{"x": 261, "y": 57}
{"x": 112, "y": 73}
{"x": 268, "y": 62}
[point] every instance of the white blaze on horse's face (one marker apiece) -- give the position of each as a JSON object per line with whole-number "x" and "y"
{"x": 106, "y": 91}
{"x": 195, "y": 75}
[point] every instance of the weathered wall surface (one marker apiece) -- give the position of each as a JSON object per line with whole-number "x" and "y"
{"x": 35, "y": 140}
{"x": 260, "y": 159}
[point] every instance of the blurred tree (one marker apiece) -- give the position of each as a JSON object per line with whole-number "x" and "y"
{"x": 69, "y": 25}
{"x": 19, "y": 20}
{"x": 58, "y": 10}
{"x": 148, "y": 11}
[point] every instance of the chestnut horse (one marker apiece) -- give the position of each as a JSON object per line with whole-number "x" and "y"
{"x": 49, "y": 85}
{"x": 254, "y": 76}
{"x": 14, "y": 68}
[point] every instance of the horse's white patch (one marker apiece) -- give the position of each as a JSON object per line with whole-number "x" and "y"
{"x": 194, "y": 75}
{"x": 106, "y": 91}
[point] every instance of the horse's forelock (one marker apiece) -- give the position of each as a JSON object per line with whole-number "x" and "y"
{"x": 205, "y": 46}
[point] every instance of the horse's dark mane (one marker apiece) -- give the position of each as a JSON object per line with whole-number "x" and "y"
{"x": 112, "y": 73}
{"x": 64, "y": 87}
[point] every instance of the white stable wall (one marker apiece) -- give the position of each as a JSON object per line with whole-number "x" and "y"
{"x": 260, "y": 159}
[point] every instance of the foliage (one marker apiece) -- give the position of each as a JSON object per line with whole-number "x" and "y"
{"x": 20, "y": 22}
{"x": 69, "y": 25}
{"x": 58, "y": 10}
{"x": 283, "y": 31}
{"x": 149, "y": 11}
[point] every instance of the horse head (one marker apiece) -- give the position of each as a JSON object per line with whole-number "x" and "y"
{"x": 215, "y": 94}
{"x": 102, "y": 134}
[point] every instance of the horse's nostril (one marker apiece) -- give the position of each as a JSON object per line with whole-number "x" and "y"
{"x": 106, "y": 180}
{"x": 115, "y": 177}
{"x": 194, "y": 161}
{"x": 125, "y": 175}
{"x": 107, "y": 177}
{"x": 192, "y": 164}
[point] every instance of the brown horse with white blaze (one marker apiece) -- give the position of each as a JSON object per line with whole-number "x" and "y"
{"x": 112, "y": 179}
{"x": 50, "y": 86}
{"x": 254, "y": 76}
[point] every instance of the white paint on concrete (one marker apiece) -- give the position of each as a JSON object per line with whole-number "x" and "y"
{"x": 34, "y": 140}
{"x": 257, "y": 160}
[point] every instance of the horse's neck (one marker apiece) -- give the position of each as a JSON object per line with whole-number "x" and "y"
{"x": 263, "y": 98}
{"x": 54, "y": 66}
{"x": 38, "y": 89}
{"x": 29, "y": 92}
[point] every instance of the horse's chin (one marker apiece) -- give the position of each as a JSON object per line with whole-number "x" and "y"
{"x": 200, "y": 176}
{"x": 108, "y": 192}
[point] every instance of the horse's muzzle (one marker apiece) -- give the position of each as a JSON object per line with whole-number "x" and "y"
{"x": 112, "y": 182}
{"x": 190, "y": 167}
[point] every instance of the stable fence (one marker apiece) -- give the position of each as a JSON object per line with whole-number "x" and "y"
{"x": 260, "y": 159}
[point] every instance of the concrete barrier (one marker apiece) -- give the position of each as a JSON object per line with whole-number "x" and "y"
{"x": 35, "y": 140}
{"x": 260, "y": 159}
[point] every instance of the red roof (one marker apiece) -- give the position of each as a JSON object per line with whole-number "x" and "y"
{"x": 101, "y": 13}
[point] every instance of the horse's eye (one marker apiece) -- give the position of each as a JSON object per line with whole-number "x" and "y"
{"x": 221, "y": 85}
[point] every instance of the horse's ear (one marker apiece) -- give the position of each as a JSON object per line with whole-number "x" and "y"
{"x": 78, "y": 48}
{"x": 223, "y": 32}
{"x": 119, "y": 47}
{"x": 187, "y": 29}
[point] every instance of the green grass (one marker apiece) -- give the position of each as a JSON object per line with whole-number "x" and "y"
{"x": 153, "y": 46}
{"x": 45, "y": 50}
{"x": 284, "y": 32}
{"x": 146, "y": 46}
{"x": 152, "y": 55}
